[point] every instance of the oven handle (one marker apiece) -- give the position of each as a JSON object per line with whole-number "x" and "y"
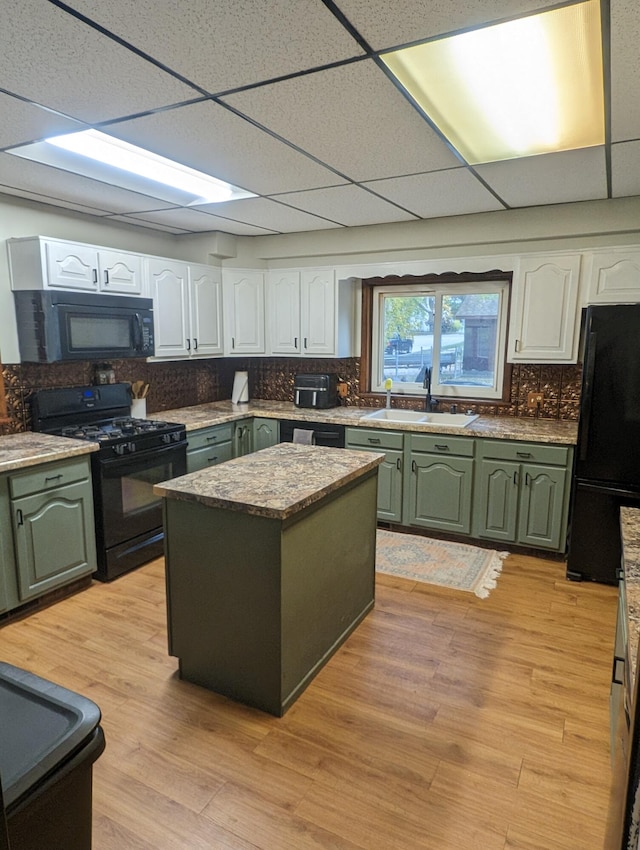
{"x": 135, "y": 458}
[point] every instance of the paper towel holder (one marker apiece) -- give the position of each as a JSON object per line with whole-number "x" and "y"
{"x": 240, "y": 393}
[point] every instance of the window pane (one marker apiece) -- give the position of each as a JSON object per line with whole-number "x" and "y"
{"x": 468, "y": 339}
{"x": 408, "y": 323}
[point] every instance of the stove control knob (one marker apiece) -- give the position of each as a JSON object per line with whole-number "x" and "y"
{"x": 166, "y": 438}
{"x": 131, "y": 447}
{"x": 176, "y": 437}
{"x": 120, "y": 449}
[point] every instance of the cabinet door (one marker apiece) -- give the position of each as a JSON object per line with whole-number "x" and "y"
{"x": 390, "y": 487}
{"x": 120, "y": 273}
{"x": 544, "y": 317}
{"x": 205, "y": 308}
{"x": 242, "y": 439}
{"x": 244, "y": 312}
{"x": 169, "y": 290}
{"x": 318, "y": 300}
{"x": 613, "y": 277}
{"x": 54, "y": 538}
{"x": 266, "y": 432}
{"x": 496, "y": 499}
{"x": 541, "y": 505}
{"x": 284, "y": 312}
{"x": 440, "y": 493}
{"x": 72, "y": 266}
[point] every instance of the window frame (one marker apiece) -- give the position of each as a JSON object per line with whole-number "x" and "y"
{"x": 468, "y": 282}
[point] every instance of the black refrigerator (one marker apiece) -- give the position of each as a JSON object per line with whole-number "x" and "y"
{"x": 607, "y": 465}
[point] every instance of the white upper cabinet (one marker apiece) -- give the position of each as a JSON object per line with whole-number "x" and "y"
{"x": 319, "y": 313}
{"x": 544, "y": 322}
{"x": 187, "y": 308}
{"x": 612, "y": 276}
{"x": 283, "y": 305}
{"x": 38, "y": 263}
{"x": 244, "y": 311}
{"x": 205, "y": 311}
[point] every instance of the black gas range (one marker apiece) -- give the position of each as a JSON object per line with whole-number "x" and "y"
{"x": 133, "y": 455}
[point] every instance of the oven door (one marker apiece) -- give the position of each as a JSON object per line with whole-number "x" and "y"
{"x": 126, "y": 506}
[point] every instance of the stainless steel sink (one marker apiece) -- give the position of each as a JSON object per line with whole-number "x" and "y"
{"x": 441, "y": 420}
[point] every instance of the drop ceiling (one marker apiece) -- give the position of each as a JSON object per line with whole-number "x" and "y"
{"x": 286, "y": 100}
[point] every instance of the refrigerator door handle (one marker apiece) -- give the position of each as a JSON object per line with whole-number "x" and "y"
{"x": 587, "y": 395}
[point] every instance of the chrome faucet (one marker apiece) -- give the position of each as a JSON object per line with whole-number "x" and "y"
{"x": 430, "y": 404}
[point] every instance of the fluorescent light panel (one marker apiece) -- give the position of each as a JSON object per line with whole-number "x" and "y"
{"x": 148, "y": 169}
{"x": 528, "y": 86}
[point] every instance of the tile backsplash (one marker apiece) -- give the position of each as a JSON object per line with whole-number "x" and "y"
{"x": 184, "y": 383}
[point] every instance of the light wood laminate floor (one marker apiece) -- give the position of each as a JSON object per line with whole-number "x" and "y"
{"x": 445, "y": 722}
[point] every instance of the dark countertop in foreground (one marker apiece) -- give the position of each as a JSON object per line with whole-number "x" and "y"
{"x": 495, "y": 427}
{"x": 31, "y": 448}
{"x": 277, "y": 482}
{"x": 630, "y": 526}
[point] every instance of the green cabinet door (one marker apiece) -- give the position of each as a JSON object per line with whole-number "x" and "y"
{"x": 266, "y": 432}
{"x": 54, "y": 538}
{"x": 389, "y": 504}
{"x": 242, "y": 438}
{"x": 542, "y": 490}
{"x": 496, "y": 500}
{"x": 440, "y": 492}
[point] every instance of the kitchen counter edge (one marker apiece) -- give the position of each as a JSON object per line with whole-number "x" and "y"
{"x": 30, "y": 448}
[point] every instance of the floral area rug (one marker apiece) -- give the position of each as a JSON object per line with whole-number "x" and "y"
{"x": 456, "y": 565}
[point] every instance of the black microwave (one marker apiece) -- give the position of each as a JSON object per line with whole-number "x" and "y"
{"x": 55, "y": 326}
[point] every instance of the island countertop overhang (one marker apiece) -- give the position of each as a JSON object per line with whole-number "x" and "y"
{"x": 277, "y": 482}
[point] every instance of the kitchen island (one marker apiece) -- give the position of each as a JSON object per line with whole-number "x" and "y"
{"x": 270, "y": 562}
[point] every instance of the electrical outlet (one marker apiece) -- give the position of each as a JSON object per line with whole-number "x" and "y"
{"x": 535, "y": 399}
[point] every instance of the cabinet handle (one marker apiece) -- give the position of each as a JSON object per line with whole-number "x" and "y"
{"x": 212, "y": 459}
{"x": 53, "y": 477}
{"x": 442, "y": 447}
{"x": 195, "y": 343}
{"x": 305, "y": 342}
{"x": 20, "y": 517}
{"x": 515, "y": 478}
{"x": 106, "y": 277}
{"x": 523, "y": 454}
{"x": 375, "y": 440}
{"x": 212, "y": 438}
{"x": 614, "y": 677}
{"x": 517, "y": 345}
{"x": 188, "y": 344}
{"x": 527, "y": 479}
{"x": 233, "y": 342}
{"x": 95, "y": 275}
{"x": 414, "y": 466}
{"x": 399, "y": 464}
{"x": 295, "y": 342}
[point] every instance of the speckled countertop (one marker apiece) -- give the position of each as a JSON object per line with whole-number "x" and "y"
{"x": 496, "y": 427}
{"x": 276, "y": 482}
{"x": 31, "y": 448}
{"x": 630, "y": 527}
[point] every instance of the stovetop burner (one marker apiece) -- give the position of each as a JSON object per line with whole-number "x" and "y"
{"x": 113, "y": 429}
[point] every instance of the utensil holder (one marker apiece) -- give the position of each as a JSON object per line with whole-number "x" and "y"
{"x": 139, "y": 408}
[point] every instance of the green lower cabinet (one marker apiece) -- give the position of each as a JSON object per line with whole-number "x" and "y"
{"x": 54, "y": 538}
{"x": 266, "y": 432}
{"x": 440, "y": 492}
{"x": 242, "y": 438}
{"x": 520, "y": 502}
{"x": 209, "y": 446}
{"x": 390, "y": 472}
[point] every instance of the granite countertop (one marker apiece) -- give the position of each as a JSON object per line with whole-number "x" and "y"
{"x": 277, "y": 482}
{"x": 31, "y": 448}
{"x": 496, "y": 427}
{"x": 630, "y": 527}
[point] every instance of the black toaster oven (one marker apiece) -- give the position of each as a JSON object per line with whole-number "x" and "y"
{"x": 318, "y": 391}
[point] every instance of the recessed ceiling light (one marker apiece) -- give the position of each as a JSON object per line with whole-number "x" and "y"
{"x": 130, "y": 167}
{"x": 529, "y": 86}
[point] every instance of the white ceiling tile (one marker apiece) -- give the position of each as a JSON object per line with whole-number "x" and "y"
{"x": 625, "y": 70}
{"x": 349, "y": 205}
{"x": 194, "y": 221}
{"x": 48, "y": 56}
{"x": 53, "y": 183}
{"x": 454, "y": 191}
{"x": 209, "y": 137}
{"x": 625, "y": 169}
{"x": 552, "y": 178}
{"x": 270, "y": 214}
{"x": 220, "y": 44}
{"x": 25, "y": 122}
{"x": 386, "y": 24}
{"x": 351, "y": 118}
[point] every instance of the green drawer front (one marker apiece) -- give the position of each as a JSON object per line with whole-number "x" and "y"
{"x": 210, "y": 436}
{"x": 47, "y": 477}
{"x": 208, "y": 456}
{"x": 441, "y": 444}
{"x": 524, "y": 452}
{"x": 372, "y": 438}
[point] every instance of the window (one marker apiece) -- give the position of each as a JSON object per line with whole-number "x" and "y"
{"x": 452, "y": 331}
